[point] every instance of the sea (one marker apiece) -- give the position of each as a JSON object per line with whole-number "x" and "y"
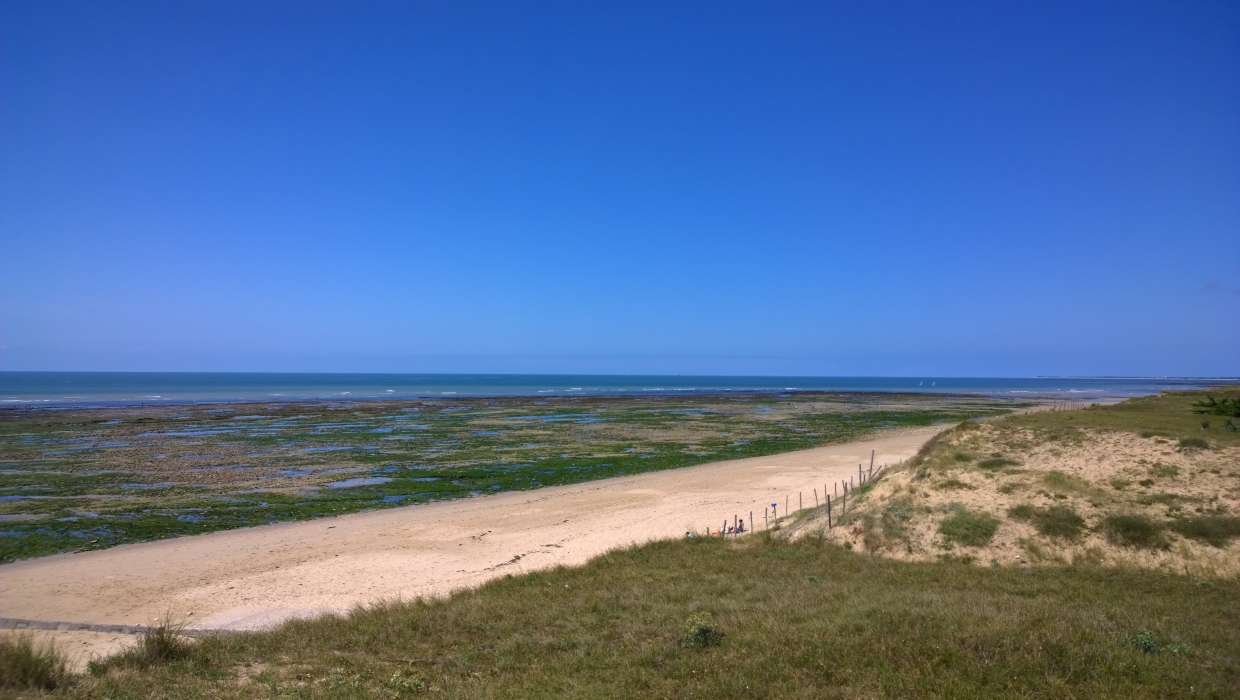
{"x": 139, "y": 388}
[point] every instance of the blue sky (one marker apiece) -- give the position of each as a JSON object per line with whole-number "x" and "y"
{"x": 989, "y": 189}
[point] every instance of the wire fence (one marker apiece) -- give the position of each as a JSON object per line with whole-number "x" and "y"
{"x": 834, "y": 499}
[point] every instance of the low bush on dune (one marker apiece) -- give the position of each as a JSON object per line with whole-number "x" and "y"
{"x": 1133, "y": 531}
{"x": 1055, "y": 521}
{"x": 997, "y": 463}
{"x": 1229, "y": 406}
{"x": 1194, "y": 443}
{"x": 29, "y": 665}
{"x": 1216, "y": 530}
{"x": 970, "y": 528}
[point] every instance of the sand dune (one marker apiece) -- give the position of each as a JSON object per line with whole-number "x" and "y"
{"x": 250, "y": 578}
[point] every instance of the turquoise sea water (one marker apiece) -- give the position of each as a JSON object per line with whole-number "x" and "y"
{"x": 113, "y": 388}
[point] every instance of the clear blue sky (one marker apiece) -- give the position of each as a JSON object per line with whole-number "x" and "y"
{"x": 850, "y": 188}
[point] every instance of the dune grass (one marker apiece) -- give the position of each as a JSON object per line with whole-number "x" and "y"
{"x": 967, "y": 527}
{"x": 1134, "y": 530}
{"x": 29, "y": 665}
{"x": 1052, "y": 521}
{"x": 1216, "y": 530}
{"x": 754, "y": 617}
{"x": 1170, "y": 415}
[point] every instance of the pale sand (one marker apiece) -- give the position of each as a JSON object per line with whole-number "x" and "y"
{"x": 251, "y": 578}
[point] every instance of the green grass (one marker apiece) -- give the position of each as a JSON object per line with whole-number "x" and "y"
{"x": 158, "y": 645}
{"x": 802, "y": 620}
{"x": 26, "y": 664}
{"x": 1134, "y": 531}
{"x": 1194, "y": 443}
{"x": 1164, "y": 471}
{"x": 997, "y": 463}
{"x": 1054, "y": 521}
{"x": 970, "y": 528}
{"x": 1167, "y": 415}
{"x": 1216, "y": 530}
{"x": 1228, "y": 406}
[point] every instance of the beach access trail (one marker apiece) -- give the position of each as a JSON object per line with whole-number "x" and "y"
{"x": 254, "y": 577}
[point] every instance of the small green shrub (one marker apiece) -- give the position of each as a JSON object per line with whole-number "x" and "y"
{"x": 1215, "y": 530}
{"x": 701, "y": 632}
{"x": 1064, "y": 483}
{"x": 30, "y": 666}
{"x": 962, "y": 457}
{"x": 998, "y": 463}
{"x": 1023, "y": 511}
{"x": 1055, "y": 521}
{"x": 1133, "y": 531}
{"x": 1148, "y": 643}
{"x": 954, "y": 484}
{"x": 1164, "y": 470}
{"x": 1163, "y": 498}
{"x": 970, "y": 528}
{"x": 1120, "y": 484}
{"x": 1212, "y": 406}
{"x": 1205, "y": 425}
{"x": 1060, "y": 521}
{"x": 1146, "y": 482}
{"x": 1145, "y": 641}
{"x": 403, "y": 685}
{"x": 1194, "y": 443}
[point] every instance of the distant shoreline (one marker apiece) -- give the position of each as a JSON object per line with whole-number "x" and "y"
{"x": 102, "y": 389}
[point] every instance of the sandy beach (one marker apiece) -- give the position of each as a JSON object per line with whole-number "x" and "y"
{"x": 254, "y": 577}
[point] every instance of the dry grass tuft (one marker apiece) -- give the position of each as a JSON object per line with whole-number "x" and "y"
{"x": 29, "y": 665}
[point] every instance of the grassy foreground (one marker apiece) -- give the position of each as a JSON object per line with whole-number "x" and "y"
{"x": 798, "y": 619}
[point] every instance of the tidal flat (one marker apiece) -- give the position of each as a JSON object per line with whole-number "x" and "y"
{"x": 89, "y": 478}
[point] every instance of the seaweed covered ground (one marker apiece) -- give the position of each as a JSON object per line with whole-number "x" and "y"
{"x": 75, "y": 479}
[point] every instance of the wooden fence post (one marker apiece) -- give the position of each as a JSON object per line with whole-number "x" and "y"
{"x": 815, "y": 497}
{"x": 828, "y": 512}
{"x": 800, "y": 502}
